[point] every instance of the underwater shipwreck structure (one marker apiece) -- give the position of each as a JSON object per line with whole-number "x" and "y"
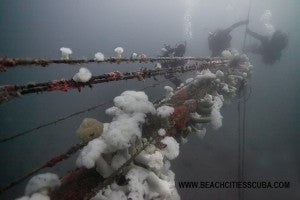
{"x": 129, "y": 157}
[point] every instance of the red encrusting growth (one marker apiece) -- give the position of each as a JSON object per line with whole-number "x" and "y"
{"x": 63, "y": 85}
{"x": 54, "y": 161}
{"x": 8, "y": 87}
{"x": 159, "y": 144}
{"x": 182, "y": 95}
{"x": 76, "y": 184}
{"x": 180, "y": 116}
{"x": 171, "y": 132}
{"x": 114, "y": 75}
{"x": 181, "y": 113}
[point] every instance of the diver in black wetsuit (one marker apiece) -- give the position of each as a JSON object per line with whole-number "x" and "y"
{"x": 220, "y": 39}
{"x": 177, "y": 51}
{"x": 270, "y": 48}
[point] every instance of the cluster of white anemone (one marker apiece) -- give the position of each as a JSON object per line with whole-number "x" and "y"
{"x": 226, "y": 82}
{"x": 84, "y": 74}
{"x": 122, "y": 137}
{"x": 39, "y": 187}
{"x": 66, "y": 52}
{"x": 155, "y": 181}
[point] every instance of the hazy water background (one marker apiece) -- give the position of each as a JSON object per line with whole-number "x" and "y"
{"x": 32, "y": 28}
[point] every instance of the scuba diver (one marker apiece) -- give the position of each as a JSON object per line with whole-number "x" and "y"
{"x": 270, "y": 48}
{"x": 177, "y": 51}
{"x": 220, "y": 39}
